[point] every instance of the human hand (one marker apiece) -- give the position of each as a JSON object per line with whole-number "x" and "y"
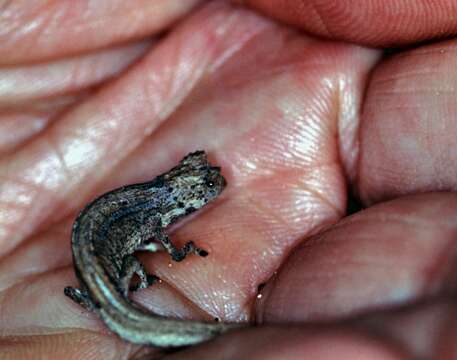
{"x": 293, "y": 121}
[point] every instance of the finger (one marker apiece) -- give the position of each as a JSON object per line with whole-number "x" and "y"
{"x": 20, "y": 85}
{"x": 379, "y": 23}
{"x": 266, "y": 343}
{"x": 87, "y": 345}
{"x": 16, "y": 128}
{"x": 408, "y": 125}
{"x": 387, "y": 256}
{"x": 20, "y": 125}
{"x": 49, "y": 29}
{"x": 293, "y": 343}
{"x": 423, "y": 331}
{"x": 427, "y": 329}
{"x": 32, "y": 96}
{"x": 40, "y": 256}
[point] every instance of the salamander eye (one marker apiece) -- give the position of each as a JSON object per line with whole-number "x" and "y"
{"x": 210, "y": 183}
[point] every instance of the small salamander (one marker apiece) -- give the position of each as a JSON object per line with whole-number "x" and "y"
{"x": 111, "y": 228}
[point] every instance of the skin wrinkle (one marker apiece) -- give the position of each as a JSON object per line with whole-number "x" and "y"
{"x": 167, "y": 88}
{"x": 29, "y": 279}
{"x": 386, "y": 217}
{"x": 342, "y": 159}
{"x": 87, "y": 341}
{"x": 361, "y": 259}
{"x": 227, "y": 54}
{"x": 31, "y": 283}
{"x": 115, "y": 127}
{"x": 318, "y": 196}
{"x": 4, "y": 5}
{"x": 56, "y": 152}
{"x": 413, "y": 92}
{"x": 55, "y": 105}
{"x": 404, "y": 75}
{"x": 229, "y": 22}
{"x": 272, "y": 214}
{"x": 402, "y": 107}
{"x": 193, "y": 307}
{"x": 5, "y": 225}
{"x": 33, "y": 186}
{"x": 327, "y": 239}
{"x": 230, "y": 52}
{"x": 261, "y": 209}
{"x": 28, "y": 276}
{"x": 263, "y": 73}
{"x": 14, "y": 26}
{"x": 51, "y": 20}
{"x": 403, "y": 78}
{"x": 171, "y": 87}
{"x": 443, "y": 48}
{"x": 187, "y": 298}
{"x": 317, "y": 11}
{"x": 39, "y": 25}
{"x": 35, "y": 123}
{"x": 355, "y": 178}
{"x": 434, "y": 164}
{"x": 435, "y": 270}
{"x": 179, "y": 57}
{"x": 61, "y": 27}
{"x": 12, "y": 292}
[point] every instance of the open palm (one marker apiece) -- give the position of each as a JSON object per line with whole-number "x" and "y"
{"x": 95, "y": 98}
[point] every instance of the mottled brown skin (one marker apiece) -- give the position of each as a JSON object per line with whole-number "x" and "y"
{"x": 115, "y": 225}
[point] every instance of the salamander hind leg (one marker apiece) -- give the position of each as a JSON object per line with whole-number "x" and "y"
{"x": 80, "y": 297}
{"x": 131, "y": 265}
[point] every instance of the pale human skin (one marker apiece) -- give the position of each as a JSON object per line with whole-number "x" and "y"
{"x": 293, "y": 120}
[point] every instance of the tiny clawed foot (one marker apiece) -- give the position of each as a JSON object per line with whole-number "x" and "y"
{"x": 188, "y": 248}
{"x": 150, "y": 279}
{"x": 201, "y": 252}
{"x": 191, "y": 248}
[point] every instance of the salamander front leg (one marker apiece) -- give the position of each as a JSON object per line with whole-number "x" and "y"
{"x": 175, "y": 253}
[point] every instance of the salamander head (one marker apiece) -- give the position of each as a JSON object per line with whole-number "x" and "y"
{"x": 192, "y": 184}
